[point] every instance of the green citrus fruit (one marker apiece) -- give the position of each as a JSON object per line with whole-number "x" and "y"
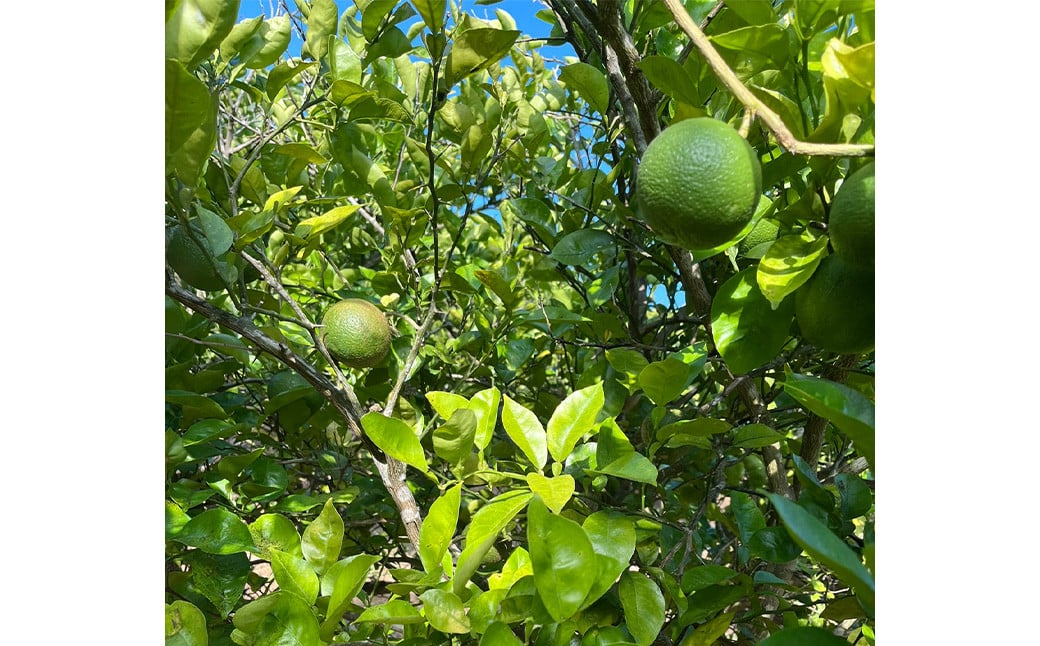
{"x": 190, "y": 261}
{"x": 851, "y": 221}
{"x": 356, "y": 332}
{"x": 699, "y": 183}
{"x": 764, "y": 231}
{"x": 835, "y": 307}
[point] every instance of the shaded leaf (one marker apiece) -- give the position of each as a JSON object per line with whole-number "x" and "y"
{"x": 396, "y": 611}
{"x": 477, "y": 49}
{"x": 748, "y": 332}
{"x": 803, "y": 636}
{"x": 644, "y": 606}
{"x": 185, "y": 625}
{"x": 589, "y": 82}
{"x": 670, "y": 77}
{"x": 846, "y": 408}
{"x": 580, "y": 247}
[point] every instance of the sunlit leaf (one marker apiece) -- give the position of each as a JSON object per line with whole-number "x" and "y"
{"x": 396, "y": 439}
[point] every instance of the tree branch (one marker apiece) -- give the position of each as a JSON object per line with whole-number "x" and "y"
{"x": 784, "y": 136}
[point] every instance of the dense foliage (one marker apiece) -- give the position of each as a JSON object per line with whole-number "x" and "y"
{"x": 580, "y": 434}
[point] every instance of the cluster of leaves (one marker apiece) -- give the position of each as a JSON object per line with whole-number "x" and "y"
{"x": 595, "y": 460}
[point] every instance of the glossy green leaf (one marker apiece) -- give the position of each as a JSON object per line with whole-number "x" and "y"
{"x": 789, "y": 262}
{"x": 432, "y": 12}
{"x": 522, "y": 426}
{"x": 217, "y": 531}
{"x": 187, "y": 105}
{"x": 753, "y": 436}
{"x": 615, "y": 456}
{"x": 768, "y": 43}
{"x": 185, "y": 625}
{"x": 846, "y": 408}
{"x": 278, "y": 78}
{"x": 220, "y": 578}
{"x": 445, "y": 403}
{"x": 268, "y": 43}
{"x": 444, "y": 611}
{"x": 803, "y": 636}
{"x": 813, "y": 14}
{"x": 754, "y": 12}
{"x": 824, "y": 546}
{"x": 483, "y": 530}
{"x": 590, "y": 83}
{"x": 580, "y": 247}
{"x": 438, "y": 528}
{"x": 563, "y": 560}
{"x": 709, "y": 633}
{"x": 239, "y": 37}
{"x": 277, "y": 619}
{"x": 499, "y": 634}
{"x": 176, "y": 519}
{"x": 632, "y": 466}
{"x": 663, "y": 381}
{"x": 317, "y": 225}
{"x": 517, "y": 566}
{"x": 485, "y": 405}
{"x": 644, "y": 606}
{"x": 613, "y": 538}
{"x": 321, "y": 24}
{"x": 341, "y": 583}
{"x": 748, "y": 332}
{"x": 774, "y": 545}
{"x": 196, "y": 27}
{"x": 453, "y": 440}
{"x": 477, "y": 49}
{"x": 396, "y": 439}
{"x": 571, "y": 419}
{"x": 277, "y": 532}
{"x": 555, "y": 492}
{"x": 702, "y": 576}
{"x": 856, "y": 496}
{"x": 323, "y": 538}
{"x": 294, "y": 575}
{"x": 396, "y": 611}
{"x": 667, "y": 75}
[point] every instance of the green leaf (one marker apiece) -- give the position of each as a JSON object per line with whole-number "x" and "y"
{"x": 615, "y": 455}
{"x": 703, "y": 576}
{"x": 278, "y": 619}
{"x": 748, "y": 332}
{"x": 773, "y": 545}
{"x": 187, "y": 105}
{"x": 856, "y": 496}
{"x": 217, "y": 531}
{"x": 590, "y": 83}
{"x": 824, "y": 546}
{"x": 753, "y": 436}
{"x": 497, "y": 284}
{"x": 709, "y": 633}
{"x": 176, "y": 519}
{"x": 323, "y": 538}
{"x": 438, "y": 528}
{"x": 563, "y": 560}
{"x": 629, "y": 363}
{"x": 517, "y": 566}
{"x": 644, "y": 606}
{"x": 499, "y": 634}
{"x": 765, "y": 46}
{"x": 268, "y": 43}
{"x": 453, "y": 440}
{"x": 185, "y": 625}
{"x": 522, "y": 426}
{"x": 483, "y": 530}
{"x": 278, "y": 78}
{"x": 329, "y": 220}
{"x": 580, "y": 247}
{"x": 196, "y": 27}
{"x": 555, "y": 492}
{"x": 444, "y": 611}
{"x": 275, "y": 531}
{"x": 847, "y": 409}
{"x": 220, "y": 578}
{"x": 321, "y": 23}
{"x": 803, "y": 636}
{"x": 571, "y": 419}
{"x": 372, "y": 17}
{"x": 396, "y": 439}
{"x": 788, "y": 263}
{"x": 613, "y": 538}
{"x": 477, "y": 49}
{"x": 485, "y": 405}
{"x": 294, "y": 575}
{"x": 397, "y": 611}
{"x": 632, "y": 466}
{"x": 663, "y": 381}
{"x": 341, "y": 583}
{"x": 445, "y": 404}
{"x": 432, "y": 12}
{"x": 754, "y": 12}
{"x": 670, "y": 77}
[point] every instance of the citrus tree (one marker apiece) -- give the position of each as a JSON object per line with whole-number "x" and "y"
{"x": 446, "y": 363}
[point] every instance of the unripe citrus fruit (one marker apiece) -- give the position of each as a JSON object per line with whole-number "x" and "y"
{"x": 356, "y": 332}
{"x": 851, "y": 221}
{"x": 835, "y": 307}
{"x": 190, "y": 261}
{"x": 764, "y": 231}
{"x": 699, "y": 183}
